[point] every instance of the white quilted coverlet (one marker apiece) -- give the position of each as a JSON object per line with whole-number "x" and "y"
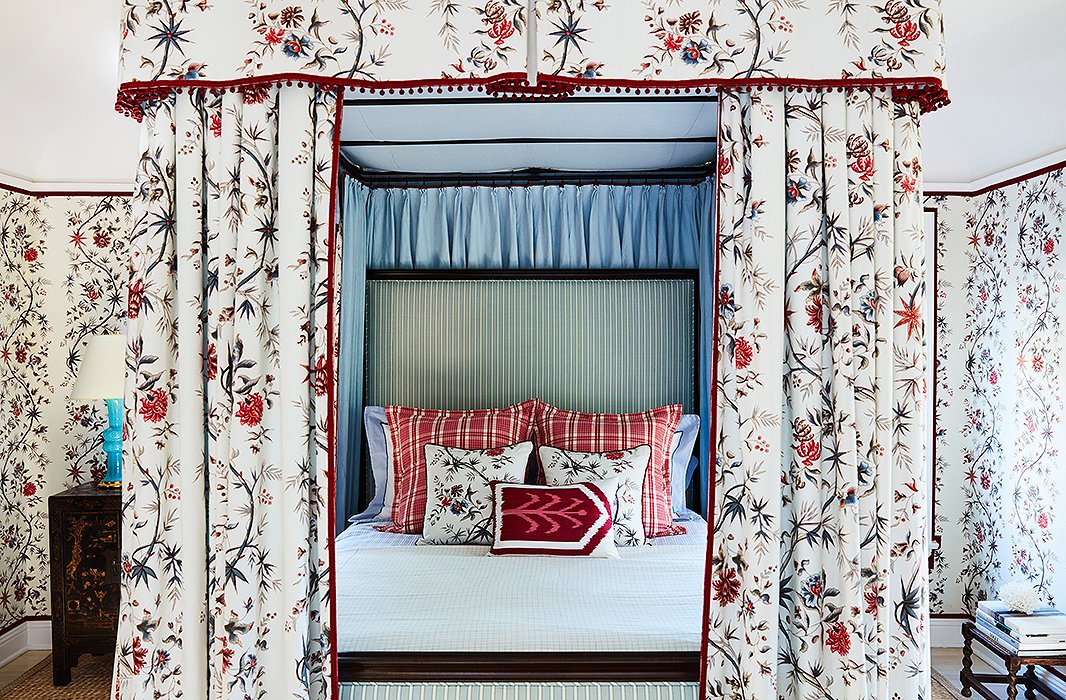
{"x": 455, "y": 598}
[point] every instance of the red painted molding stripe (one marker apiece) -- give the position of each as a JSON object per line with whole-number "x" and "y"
{"x": 58, "y": 193}
{"x": 999, "y": 185}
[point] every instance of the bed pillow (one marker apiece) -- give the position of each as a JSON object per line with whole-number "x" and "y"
{"x": 684, "y": 441}
{"x": 605, "y": 432}
{"x": 379, "y": 445}
{"x": 557, "y": 521}
{"x": 414, "y": 428}
{"x": 459, "y": 490}
{"x": 563, "y": 467}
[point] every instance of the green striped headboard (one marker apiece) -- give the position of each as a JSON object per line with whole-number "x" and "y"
{"x": 598, "y": 345}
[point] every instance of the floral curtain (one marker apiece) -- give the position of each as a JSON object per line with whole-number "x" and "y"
{"x": 224, "y": 546}
{"x": 818, "y": 582}
{"x": 696, "y": 40}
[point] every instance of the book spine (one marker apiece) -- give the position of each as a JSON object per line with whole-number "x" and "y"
{"x": 998, "y": 624}
{"x": 1013, "y": 645}
{"x": 1006, "y": 622}
{"x": 997, "y": 636}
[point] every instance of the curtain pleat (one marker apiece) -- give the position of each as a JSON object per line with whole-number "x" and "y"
{"x": 504, "y": 228}
{"x": 224, "y": 549}
{"x": 818, "y": 585}
{"x": 539, "y": 227}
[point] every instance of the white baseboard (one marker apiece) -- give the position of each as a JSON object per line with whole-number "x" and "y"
{"x": 31, "y": 634}
{"x": 39, "y": 635}
{"x": 13, "y": 644}
{"x": 945, "y": 632}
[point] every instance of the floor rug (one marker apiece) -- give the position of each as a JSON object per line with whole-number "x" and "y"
{"x": 89, "y": 680}
{"x": 943, "y": 688}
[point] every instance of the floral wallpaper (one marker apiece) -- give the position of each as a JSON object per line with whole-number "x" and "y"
{"x": 26, "y": 388}
{"x": 96, "y": 230}
{"x": 1000, "y": 392}
{"x": 61, "y": 268}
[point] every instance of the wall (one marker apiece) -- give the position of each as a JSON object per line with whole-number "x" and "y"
{"x": 63, "y": 278}
{"x": 999, "y": 402}
{"x": 1000, "y": 392}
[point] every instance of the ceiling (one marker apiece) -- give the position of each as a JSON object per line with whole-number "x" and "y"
{"x": 591, "y": 134}
{"x": 1004, "y": 75}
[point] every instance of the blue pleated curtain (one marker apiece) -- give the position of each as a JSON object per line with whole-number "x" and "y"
{"x": 624, "y": 227}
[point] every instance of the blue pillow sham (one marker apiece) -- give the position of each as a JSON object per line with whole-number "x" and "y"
{"x": 379, "y": 442}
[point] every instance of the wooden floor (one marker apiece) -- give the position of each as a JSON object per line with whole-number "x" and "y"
{"x": 11, "y": 671}
{"x": 947, "y": 661}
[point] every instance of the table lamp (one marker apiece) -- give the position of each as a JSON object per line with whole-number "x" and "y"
{"x": 102, "y": 375}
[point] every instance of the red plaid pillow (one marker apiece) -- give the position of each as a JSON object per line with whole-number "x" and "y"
{"x": 603, "y": 432}
{"x": 413, "y": 428}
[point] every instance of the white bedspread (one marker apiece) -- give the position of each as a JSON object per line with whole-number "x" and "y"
{"x": 454, "y": 598}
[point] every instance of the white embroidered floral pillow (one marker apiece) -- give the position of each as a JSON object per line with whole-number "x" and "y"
{"x": 459, "y": 490}
{"x": 563, "y": 467}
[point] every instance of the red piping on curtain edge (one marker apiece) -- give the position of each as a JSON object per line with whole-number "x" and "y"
{"x": 331, "y": 386}
{"x": 929, "y": 92}
{"x": 712, "y": 472}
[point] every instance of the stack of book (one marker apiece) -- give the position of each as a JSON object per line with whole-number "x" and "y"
{"x": 1041, "y": 633}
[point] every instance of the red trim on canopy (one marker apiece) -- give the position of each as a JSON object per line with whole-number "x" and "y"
{"x": 928, "y": 92}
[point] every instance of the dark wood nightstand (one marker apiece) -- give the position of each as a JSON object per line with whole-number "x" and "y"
{"x": 85, "y": 524}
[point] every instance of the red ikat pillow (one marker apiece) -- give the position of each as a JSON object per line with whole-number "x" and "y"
{"x": 412, "y": 429}
{"x": 605, "y": 432}
{"x": 560, "y": 521}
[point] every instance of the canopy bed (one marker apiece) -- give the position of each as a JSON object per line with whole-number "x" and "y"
{"x": 617, "y": 340}
{"x": 252, "y": 267}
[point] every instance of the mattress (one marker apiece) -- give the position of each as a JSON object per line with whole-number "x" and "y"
{"x": 395, "y": 596}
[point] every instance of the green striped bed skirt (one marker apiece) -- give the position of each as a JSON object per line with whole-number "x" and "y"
{"x": 519, "y": 691}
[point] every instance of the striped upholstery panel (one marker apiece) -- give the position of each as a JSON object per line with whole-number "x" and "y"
{"x": 607, "y": 346}
{"x": 519, "y": 691}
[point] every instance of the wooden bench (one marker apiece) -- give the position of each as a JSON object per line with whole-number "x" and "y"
{"x": 1012, "y": 660}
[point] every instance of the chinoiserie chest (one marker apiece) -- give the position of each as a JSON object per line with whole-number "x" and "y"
{"x": 85, "y": 525}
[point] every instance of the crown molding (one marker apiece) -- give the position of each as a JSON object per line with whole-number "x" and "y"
{"x": 69, "y": 188}
{"x": 63, "y": 188}
{"x": 1002, "y": 178}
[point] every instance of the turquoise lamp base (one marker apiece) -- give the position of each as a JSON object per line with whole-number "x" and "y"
{"x": 113, "y": 445}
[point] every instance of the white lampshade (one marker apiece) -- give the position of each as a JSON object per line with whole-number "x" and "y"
{"x": 102, "y": 374}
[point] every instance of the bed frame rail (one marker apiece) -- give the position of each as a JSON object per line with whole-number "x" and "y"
{"x": 548, "y": 666}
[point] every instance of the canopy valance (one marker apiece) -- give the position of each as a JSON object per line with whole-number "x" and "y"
{"x": 408, "y": 45}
